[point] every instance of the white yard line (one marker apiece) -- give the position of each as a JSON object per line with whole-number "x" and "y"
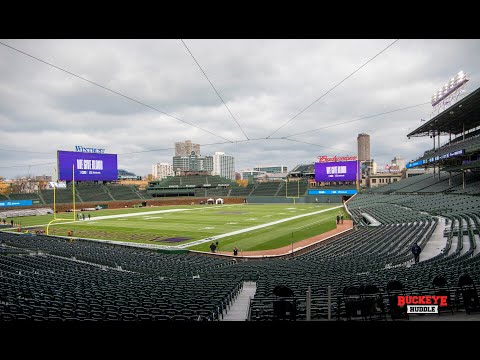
{"x": 201, "y": 241}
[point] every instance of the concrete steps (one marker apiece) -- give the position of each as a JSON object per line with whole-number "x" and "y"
{"x": 436, "y": 242}
{"x": 238, "y": 311}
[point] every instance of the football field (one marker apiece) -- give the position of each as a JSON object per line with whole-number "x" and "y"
{"x": 247, "y": 226}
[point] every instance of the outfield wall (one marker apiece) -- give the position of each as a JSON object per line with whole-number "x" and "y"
{"x": 274, "y": 200}
{"x": 324, "y": 199}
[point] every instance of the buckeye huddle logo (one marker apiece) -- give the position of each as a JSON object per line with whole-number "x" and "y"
{"x": 424, "y": 304}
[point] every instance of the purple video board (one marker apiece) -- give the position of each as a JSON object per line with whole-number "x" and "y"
{"x": 336, "y": 171}
{"x": 87, "y": 166}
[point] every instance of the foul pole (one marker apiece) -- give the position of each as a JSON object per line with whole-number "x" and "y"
{"x": 73, "y": 192}
{"x": 55, "y": 196}
{"x": 357, "y": 175}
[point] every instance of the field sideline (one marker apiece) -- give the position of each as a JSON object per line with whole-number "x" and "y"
{"x": 177, "y": 226}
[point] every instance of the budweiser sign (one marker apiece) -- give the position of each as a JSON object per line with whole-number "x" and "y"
{"x": 324, "y": 159}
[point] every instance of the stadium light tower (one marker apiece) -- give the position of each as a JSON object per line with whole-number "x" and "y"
{"x": 449, "y": 92}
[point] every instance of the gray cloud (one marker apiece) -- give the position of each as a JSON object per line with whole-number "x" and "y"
{"x": 264, "y": 83}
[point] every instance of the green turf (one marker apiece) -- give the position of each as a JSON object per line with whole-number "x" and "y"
{"x": 199, "y": 222}
{"x": 278, "y": 235}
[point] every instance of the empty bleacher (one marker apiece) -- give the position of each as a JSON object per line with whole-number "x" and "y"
{"x": 295, "y": 188}
{"x": 183, "y": 181}
{"x": 265, "y": 189}
{"x": 96, "y": 192}
{"x": 98, "y": 282}
{"x": 397, "y": 186}
{"x": 21, "y": 196}
{"x": 427, "y": 183}
{"x": 472, "y": 184}
{"x": 423, "y": 183}
{"x": 470, "y": 144}
{"x": 242, "y": 191}
{"x": 145, "y": 194}
{"x": 211, "y": 192}
{"x": 62, "y": 196}
{"x": 303, "y": 169}
{"x": 194, "y": 185}
{"x": 122, "y": 192}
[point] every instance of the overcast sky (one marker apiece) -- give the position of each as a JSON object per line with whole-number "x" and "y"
{"x": 264, "y": 83}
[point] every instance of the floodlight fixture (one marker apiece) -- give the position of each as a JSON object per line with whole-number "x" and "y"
{"x": 449, "y": 88}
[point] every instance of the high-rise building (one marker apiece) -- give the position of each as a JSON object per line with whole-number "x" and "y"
{"x": 271, "y": 169}
{"x": 224, "y": 165}
{"x": 186, "y": 148}
{"x": 181, "y": 163}
{"x": 363, "y": 142}
{"x": 192, "y": 163}
{"x": 368, "y": 167}
{"x": 161, "y": 171}
{"x": 251, "y": 175}
{"x": 397, "y": 160}
{"x": 201, "y": 163}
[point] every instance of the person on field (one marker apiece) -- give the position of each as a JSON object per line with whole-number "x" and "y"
{"x": 341, "y": 218}
{"x": 88, "y": 216}
{"x": 235, "y": 251}
{"x": 416, "y": 250}
{"x": 338, "y": 219}
{"x": 213, "y": 247}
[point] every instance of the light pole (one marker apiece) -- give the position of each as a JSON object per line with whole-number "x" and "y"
{"x": 292, "y": 244}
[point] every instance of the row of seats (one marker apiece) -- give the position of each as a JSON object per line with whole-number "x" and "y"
{"x": 82, "y": 280}
{"x": 42, "y": 286}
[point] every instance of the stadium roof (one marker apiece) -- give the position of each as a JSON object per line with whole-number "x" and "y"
{"x": 464, "y": 112}
{"x": 125, "y": 173}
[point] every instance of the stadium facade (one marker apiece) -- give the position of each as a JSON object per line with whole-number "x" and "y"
{"x": 271, "y": 169}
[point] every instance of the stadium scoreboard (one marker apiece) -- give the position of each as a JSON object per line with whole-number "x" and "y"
{"x": 86, "y": 166}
